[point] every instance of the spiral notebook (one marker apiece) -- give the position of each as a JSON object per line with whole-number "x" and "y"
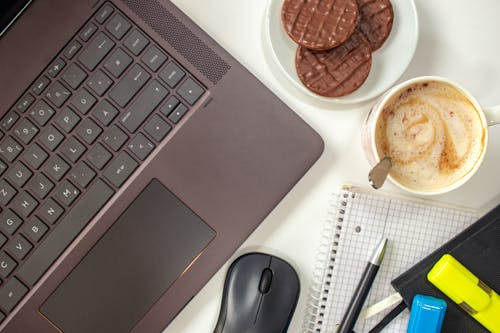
{"x": 357, "y": 219}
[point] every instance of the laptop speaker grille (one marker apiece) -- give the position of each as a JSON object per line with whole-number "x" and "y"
{"x": 181, "y": 38}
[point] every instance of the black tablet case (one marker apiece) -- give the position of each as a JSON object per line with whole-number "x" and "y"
{"x": 478, "y": 249}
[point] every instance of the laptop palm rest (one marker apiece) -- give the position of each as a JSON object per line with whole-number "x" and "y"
{"x": 131, "y": 266}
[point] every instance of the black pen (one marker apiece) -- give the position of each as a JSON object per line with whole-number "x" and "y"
{"x": 362, "y": 290}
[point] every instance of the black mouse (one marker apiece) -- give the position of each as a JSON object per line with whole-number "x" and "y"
{"x": 260, "y": 295}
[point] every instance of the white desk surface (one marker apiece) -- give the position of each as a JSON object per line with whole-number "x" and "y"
{"x": 458, "y": 39}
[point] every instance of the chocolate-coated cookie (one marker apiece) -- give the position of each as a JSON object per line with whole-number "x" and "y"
{"x": 336, "y": 72}
{"x": 319, "y": 24}
{"x": 376, "y": 17}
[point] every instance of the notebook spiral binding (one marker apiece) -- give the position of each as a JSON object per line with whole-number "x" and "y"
{"x": 322, "y": 275}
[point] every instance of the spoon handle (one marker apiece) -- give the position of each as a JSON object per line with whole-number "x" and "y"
{"x": 379, "y": 172}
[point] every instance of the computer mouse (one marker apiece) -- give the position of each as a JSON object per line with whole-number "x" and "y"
{"x": 260, "y": 295}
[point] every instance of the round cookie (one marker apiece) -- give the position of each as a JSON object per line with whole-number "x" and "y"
{"x": 376, "y": 17}
{"x": 319, "y": 24}
{"x": 336, "y": 72}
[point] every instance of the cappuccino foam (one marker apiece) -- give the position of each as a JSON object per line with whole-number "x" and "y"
{"x": 433, "y": 134}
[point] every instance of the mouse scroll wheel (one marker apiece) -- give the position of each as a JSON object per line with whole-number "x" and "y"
{"x": 265, "y": 280}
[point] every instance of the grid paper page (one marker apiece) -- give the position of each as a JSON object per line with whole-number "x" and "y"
{"x": 414, "y": 229}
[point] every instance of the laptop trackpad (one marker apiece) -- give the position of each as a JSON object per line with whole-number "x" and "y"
{"x": 131, "y": 266}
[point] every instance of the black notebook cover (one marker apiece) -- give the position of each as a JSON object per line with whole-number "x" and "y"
{"x": 478, "y": 249}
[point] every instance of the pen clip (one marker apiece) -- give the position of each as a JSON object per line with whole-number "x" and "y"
{"x": 467, "y": 308}
{"x": 474, "y": 296}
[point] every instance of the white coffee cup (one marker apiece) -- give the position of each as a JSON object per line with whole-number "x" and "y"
{"x": 488, "y": 117}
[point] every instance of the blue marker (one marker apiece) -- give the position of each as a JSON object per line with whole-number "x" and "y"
{"x": 427, "y": 315}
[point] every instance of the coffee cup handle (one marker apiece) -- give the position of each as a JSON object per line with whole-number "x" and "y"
{"x": 492, "y": 115}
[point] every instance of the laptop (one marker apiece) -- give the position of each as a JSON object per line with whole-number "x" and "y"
{"x": 136, "y": 155}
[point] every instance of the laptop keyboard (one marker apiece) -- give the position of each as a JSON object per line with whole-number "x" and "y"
{"x": 77, "y": 134}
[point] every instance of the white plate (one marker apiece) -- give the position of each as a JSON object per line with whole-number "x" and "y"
{"x": 388, "y": 63}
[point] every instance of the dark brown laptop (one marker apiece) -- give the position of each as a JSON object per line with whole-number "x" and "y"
{"x": 136, "y": 155}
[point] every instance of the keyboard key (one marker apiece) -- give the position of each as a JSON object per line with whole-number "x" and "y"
{"x": 154, "y": 58}
{"x": 99, "y": 82}
{"x": 3, "y": 240}
{"x": 41, "y": 112}
{"x": 143, "y": 106}
{"x": 130, "y": 84}
{"x": 40, "y": 186}
{"x": 141, "y": 147}
{"x": 136, "y": 42}
{"x": 172, "y": 74}
{"x": 57, "y": 94}
{"x": 67, "y": 193}
{"x": 51, "y": 138}
{"x": 7, "y": 264}
{"x": 169, "y": 106}
{"x": 70, "y": 50}
{"x": 50, "y": 211}
{"x": 7, "y": 192}
{"x": 88, "y": 131}
{"x": 9, "y": 120}
{"x": 11, "y": 293}
{"x": 83, "y": 101}
{"x": 115, "y": 138}
{"x": 10, "y": 149}
{"x": 178, "y": 113}
{"x": 103, "y": 14}
{"x": 35, "y": 229}
{"x": 25, "y": 102}
{"x": 157, "y": 128}
{"x": 40, "y": 84}
{"x": 56, "y": 167}
{"x": 105, "y": 112}
{"x": 56, "y": 67}
{"x": 19, "y": 174}
{"x": 19, "y": 247}
{"x": 82, "y": 174}
{"x": 3, "y": 167}
{"x": 24, "y": 204}
{"x": 88, "y": 31}
{"x": 118, "y": 62}
{"x": 35, "y": 156}
{"x": 67, "y": 119}
{"x": 25, "y": 131}
{"x": 190, "y": 91}
{"x": 96, "y": 51}
{"x": 9, "y": 222}
{"x": 64, "y": 233}
{"x": 118, "y": 26}
{"x": 120, "y": 169}
{"x": 72, "y": 149}
{"x": 74, "y": 76}
{"x": 99, "y": 156}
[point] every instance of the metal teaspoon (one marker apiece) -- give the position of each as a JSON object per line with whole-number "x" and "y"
{"x": 378, "y": 174}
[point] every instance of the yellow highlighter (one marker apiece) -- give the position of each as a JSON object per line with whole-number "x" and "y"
{"x": 465, "y": 289}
